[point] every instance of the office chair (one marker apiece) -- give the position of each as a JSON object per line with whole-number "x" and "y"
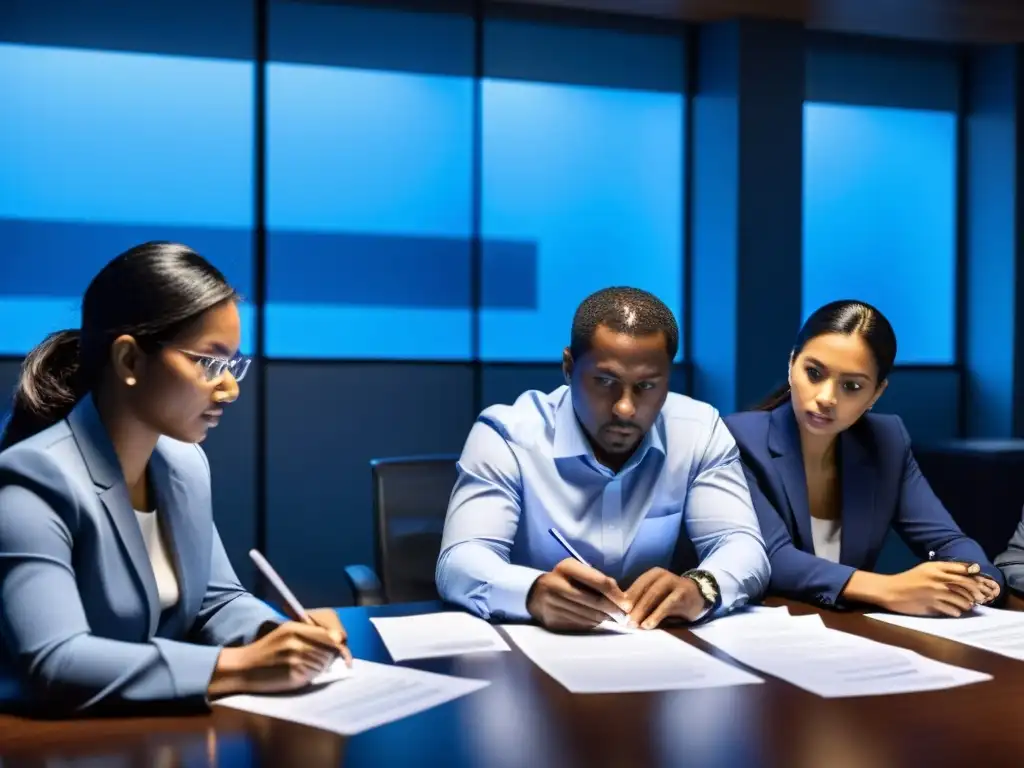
{"x": 410, "y": 501}
{"x": 981, "y": 482}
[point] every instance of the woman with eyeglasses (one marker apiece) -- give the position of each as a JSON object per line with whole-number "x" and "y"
{"x": 115, "y": 589}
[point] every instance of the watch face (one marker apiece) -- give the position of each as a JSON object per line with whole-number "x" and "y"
{"x": 706, "y": 588}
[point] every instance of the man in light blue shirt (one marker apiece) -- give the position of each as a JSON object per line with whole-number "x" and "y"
{"x": 617, "y": 464}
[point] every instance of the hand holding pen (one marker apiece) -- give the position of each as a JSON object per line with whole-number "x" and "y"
{"x": 290, "y": 656}
{"x": 575, "y": 595}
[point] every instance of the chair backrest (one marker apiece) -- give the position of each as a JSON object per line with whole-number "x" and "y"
{"x": 981, "y": 483}
{"x": 410, "y": 501}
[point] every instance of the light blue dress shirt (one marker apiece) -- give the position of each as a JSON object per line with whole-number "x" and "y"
{"x": 528, "y": 467}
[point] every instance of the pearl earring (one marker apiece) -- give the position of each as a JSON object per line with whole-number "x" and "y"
{"x": 130, "y": 381}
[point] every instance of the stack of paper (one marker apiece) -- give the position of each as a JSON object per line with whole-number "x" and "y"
{"x": 374, "y": 694}
{"x": 802, "y": 651}
{"x": 990, "y": 629}
{"x": 620, "y": 662}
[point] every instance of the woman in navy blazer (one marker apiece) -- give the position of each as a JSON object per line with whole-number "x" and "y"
{"x": 828, "y": 479}
{"x": 115, "y": 588}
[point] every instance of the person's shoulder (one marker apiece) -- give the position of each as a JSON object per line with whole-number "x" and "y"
{"x": 748, "y": 422}
{"x": 47, "y": 448}
{"x": 692, "y": 427}
{"x": 530, "y": 416}
{"x": 687, "y": 412}
{"x": 47, "y": 463}
{"x": 186, "y": 458}
{"x": 879, "y": 431}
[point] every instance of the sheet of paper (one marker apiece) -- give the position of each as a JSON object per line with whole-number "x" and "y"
{"x": 612, "y": 625}
{"x": 779, "y": 610}
{"x": 620, "y": 662}
{"x": 990, "y": 629}
{"x": 373, "y": 695}
{"x": 430, "y": 635}
{"x": 337, "y": 671}
{"x": 802, "y": 651}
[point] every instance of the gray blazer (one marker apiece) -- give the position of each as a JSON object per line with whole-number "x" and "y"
{"x": 1011, "y": 562}
{"x": 80, "y": 618}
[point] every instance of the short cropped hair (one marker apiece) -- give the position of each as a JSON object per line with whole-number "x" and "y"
{"x": 623, "y": 310}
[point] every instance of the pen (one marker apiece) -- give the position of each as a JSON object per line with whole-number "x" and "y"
{"x": 621, "y": 618}
{"x": 568, "y": 547}
{"x": 278, "y": 584}
{"x": 290, "y": 600}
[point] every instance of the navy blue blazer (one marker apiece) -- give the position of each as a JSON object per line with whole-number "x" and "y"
{"x": 882, "y": 486}
{"x": 80, "y": 618}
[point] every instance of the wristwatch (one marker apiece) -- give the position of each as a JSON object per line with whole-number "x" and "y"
{"x": 708, "y": 586}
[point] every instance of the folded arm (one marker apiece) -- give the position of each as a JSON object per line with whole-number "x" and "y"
{"x": 474, "y": 568}
{"x": 722, "y": 525}
{"x": 47, "y": 634}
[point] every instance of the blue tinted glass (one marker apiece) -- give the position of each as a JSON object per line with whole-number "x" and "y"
{"x": 880, "y": 219}
{"x": 587, "y": 183}
{"x": 369, "y": 210}
{"x": 101, "y": 151}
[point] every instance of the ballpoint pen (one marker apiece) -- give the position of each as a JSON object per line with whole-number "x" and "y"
{"x": 621, "y": 618}
{"x": 286, "y": 594}
{"x": 280, "y": 587}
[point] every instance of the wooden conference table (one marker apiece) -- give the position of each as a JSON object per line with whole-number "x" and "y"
{"x": 524, "y": 718}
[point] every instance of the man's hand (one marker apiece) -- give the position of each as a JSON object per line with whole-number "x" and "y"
{"x": 659, "y": 594}
{"x": 575, "y": 596}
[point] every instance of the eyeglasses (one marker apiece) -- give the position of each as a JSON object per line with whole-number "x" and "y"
{"x": 215, "y": 367}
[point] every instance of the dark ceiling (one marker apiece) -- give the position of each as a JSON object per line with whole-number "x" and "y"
{"x": 960, "y": 21}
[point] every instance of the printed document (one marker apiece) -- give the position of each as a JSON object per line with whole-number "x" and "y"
{"x": 372, "y": 695}
{"x": 620, "y": 662}
{"x": 989, "y": 629}
{"x": 802, "y": 651}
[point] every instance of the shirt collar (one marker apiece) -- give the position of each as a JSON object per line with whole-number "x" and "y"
{"x": 571, "y": 442}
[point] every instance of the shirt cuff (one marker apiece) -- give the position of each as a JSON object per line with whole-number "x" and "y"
{"x": 508, "y": 592}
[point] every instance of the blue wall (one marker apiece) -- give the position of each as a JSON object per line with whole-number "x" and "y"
{"x": 880, "y": 219}
{"x": 102, "y": 149}
{"x": 389, "y": 157}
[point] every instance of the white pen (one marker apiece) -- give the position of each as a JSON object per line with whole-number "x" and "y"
{"x": 568, "y": 547}
{"x": 278, "y": 584}
{"x": 621, "y": 618}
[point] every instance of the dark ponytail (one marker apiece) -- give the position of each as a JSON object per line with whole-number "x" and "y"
{"x": 845, "y": 317}
{"x": 151, "y": 292}
{"x": 775, "y": 399}
{"x": 48, "y": 388}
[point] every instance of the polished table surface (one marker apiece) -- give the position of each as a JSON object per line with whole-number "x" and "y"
{"x": 524, "y": 718}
